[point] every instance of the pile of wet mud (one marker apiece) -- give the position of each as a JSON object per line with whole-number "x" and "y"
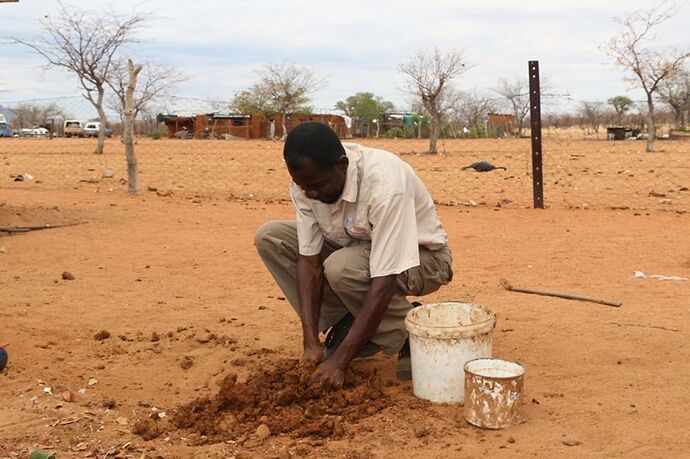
{"x": 280, "y": 398}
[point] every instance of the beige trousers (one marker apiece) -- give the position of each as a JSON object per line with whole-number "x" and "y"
{"x": 346, "y": 270}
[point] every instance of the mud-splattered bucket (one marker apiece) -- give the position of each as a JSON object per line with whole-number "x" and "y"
{"x": 493, "y": 393}
{"x": 443, "y": 337}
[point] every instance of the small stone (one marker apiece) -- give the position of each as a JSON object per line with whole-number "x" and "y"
{"x": 152, "y": 188}
{"x": 101, "y": 335}
{"x": 204, "y": 339}
{"x": 263, "y": 432}
{"x": 3, "y": 249}
{"x": 155, "y": 337}
{"x": 511, "y": 440}
{"x": 92, "y": 382}
{"x": 67, "y": 396}
{"x": 94, "y": 179}
{"x": 107, "y": 173}
{"x": 67, "y": 276}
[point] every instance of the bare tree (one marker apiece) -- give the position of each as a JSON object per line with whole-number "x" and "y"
{"x": 128, "y": 134}
{"x": 28, "y": 115}
{"x": 675, "y": 92}
{"x": 473, "y": 108}
{"x": 155, "y": 81}
{"x": 85, "y": 43}
{"x": 592, "y": 114}
{"x": 287, "y": 87}
{"x": 516, "y": 94}
{"x": 429, "y": 78}
{"x": 646, "y": 67}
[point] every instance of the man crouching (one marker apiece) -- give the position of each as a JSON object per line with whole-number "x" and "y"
{"x": 365, "y": 237}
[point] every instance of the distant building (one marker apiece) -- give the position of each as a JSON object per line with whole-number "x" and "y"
{"x": 500, "y": 125}
{"x": 233, "y": 125}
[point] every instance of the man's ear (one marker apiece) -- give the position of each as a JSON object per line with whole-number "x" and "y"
{"x": 342, "y": 163}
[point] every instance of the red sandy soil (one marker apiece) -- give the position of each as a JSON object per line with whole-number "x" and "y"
{"x": 174, "y": 278}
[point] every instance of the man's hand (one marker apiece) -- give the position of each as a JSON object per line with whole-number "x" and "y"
{"x": 312, "y": 355}
{"x": 328, "y": 375}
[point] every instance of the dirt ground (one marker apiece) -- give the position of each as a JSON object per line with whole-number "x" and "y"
{"x": 190, "y": 312}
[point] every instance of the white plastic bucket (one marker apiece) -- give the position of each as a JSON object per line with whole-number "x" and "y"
{"x": 493, "y": 393}
{"x": 443, "y": 337}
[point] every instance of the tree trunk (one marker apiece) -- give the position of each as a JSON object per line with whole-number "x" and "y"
{"x": 101, "y": 116}
{"x": 128, "y": 134}
{"x": 651, "y": 124}
{"x": 433, "y": 134}
{"x": 284, "y": 124}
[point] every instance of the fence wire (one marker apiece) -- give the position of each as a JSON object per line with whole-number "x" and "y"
{"x": 587, "y": 174}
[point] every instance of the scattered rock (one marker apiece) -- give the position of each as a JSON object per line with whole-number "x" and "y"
{"x": 504, "y": 202}
{"x": 94, "y": 179}
{"x": 655, "y": 194}
{"x": 107, "y": 173}
{"x": 101, "y": 335}
{"x": 571, "y": 442}
{"x": 511, "y": 440}
{"x": 67, "y": 396}
{"x": 186, "y": 363}
{"x": 3, "y": 249}
{"x": 147, "y": 428}
{"x": 122, "y": 421}
{"x": 92, "y": 382}
{"x": 67, "y": 275}
{"x": 155, "y": 337}
{"x": 204, "y": 339}
{"x": 153, "y": 189}
{"x": 263, "y": 432}
{"x": 422, "y": 431}
{"x": 164, "y": 194}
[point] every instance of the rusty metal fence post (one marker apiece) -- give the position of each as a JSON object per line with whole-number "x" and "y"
{"x": 535, "y": 119}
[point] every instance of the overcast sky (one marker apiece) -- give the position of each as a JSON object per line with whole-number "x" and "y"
{"x": 355, "y": 45}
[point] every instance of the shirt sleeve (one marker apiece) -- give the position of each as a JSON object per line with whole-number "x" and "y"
{"x": 394, "y": 240}
{"x": 309, "y": 235}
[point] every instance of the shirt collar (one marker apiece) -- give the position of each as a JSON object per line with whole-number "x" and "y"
{"x": 351, "y": 188}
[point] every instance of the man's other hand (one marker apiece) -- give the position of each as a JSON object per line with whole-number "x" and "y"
{"x": 328, "y": 375}
{"x": 312, "y": 355}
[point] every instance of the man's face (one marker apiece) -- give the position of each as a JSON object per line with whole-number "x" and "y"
{"x": 324, "y": 185}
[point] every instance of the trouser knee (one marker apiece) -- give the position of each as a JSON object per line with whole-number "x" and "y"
{"x": 266, "y": 236}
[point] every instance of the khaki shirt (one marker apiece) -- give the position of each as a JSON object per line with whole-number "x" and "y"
{"x": 384, "y": 202}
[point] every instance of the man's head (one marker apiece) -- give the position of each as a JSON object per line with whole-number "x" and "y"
{"x": 316, "y": 161}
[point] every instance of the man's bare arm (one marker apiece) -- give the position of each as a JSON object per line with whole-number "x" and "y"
{"x": 309, "y": 294}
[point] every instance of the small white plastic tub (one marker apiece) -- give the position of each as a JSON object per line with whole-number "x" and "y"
{"x": 443, "y": 337}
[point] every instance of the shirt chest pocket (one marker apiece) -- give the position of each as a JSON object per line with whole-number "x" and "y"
{"x": 357, "y": 226}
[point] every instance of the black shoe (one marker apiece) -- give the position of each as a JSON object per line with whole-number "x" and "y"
{"x": 403, "y": 370}
{"x": 337, "y": 334}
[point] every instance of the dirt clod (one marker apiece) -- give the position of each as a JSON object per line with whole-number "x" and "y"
{"x": 101, "y": 335}
{"x": 148, "y": 429}
{"x": 280, "y": 398}
{"x": 186, "y": 363}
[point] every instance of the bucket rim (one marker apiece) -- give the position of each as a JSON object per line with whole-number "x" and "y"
{"x": 523, "y": 369}
{"x": 491, "y": 316}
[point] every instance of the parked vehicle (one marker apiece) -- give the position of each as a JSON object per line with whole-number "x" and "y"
{"x": 6, "y": 130}
{"x": 73, "y": 128}
{"x": 34, "y": 132}
{"x": 91, "y": 129}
